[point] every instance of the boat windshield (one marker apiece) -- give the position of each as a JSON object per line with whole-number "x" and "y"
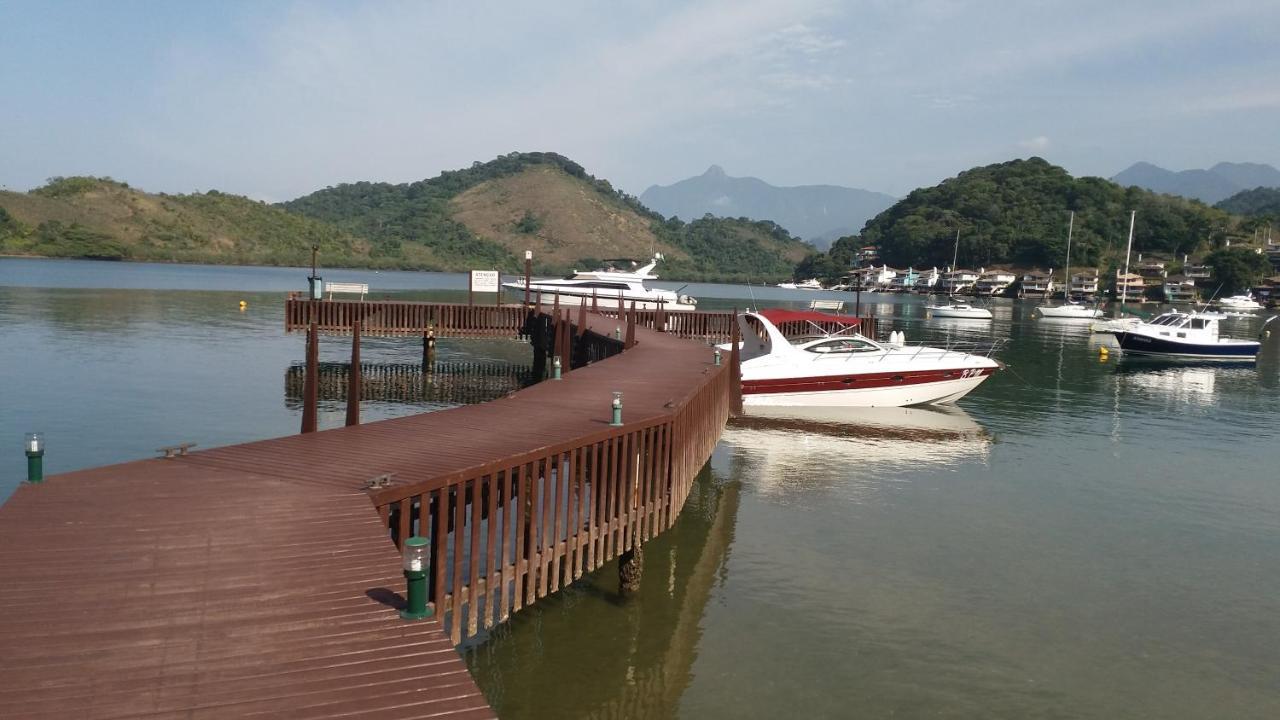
{"x": 1167, "y": 319}
{"x": 842, "y": 345}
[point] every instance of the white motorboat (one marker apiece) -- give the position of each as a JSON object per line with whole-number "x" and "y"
{"x": 1069, "y": 310}
{"x": 847, "y": 369}
{"x": 1239, "y": 302}
{"x": 810, "y": 284}
{"x": 607, "y": 288}
{"x": 958, "y": 309}
{"x": 1182, "y": 335}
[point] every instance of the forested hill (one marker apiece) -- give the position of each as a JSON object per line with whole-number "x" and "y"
{"x": 1015, "y": 213}
{"x": 484, "y": 216}
{"x": 1260, "y": 202}
{"x": 85, "y": 217}
{"x": 490, "y": 213}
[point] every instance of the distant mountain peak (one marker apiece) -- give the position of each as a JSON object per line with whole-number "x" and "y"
{"x": 818, "y": 213}
{"x": 1210, "y": 186}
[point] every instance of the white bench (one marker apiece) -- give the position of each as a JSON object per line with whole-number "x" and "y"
{"x": 832, "y": 305}
{"x": 337, "y": 287}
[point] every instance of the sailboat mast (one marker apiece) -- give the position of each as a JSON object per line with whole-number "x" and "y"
{"x": 1124, "y": 288}
{"x": 955, "y": 258}
{"x": 1066, "y": 273}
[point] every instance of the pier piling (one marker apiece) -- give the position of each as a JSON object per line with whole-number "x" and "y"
{"x": 353, "y": 379}
{"x": 309, "y": 390}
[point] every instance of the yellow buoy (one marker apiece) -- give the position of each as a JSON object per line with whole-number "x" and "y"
{"x": 243, "y": 305}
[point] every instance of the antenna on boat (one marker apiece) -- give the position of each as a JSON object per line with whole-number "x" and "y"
{"x": 751, "y": 291}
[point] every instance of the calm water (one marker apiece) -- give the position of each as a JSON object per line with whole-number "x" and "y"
{"x": 1078, "y": 539}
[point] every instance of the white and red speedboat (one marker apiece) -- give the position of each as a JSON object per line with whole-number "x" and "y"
{"x": 847, "y": 369}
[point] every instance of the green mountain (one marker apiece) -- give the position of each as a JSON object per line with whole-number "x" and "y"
{"x": 1015, "y": 214}
{"x": 1259, "y": 202}
{"x": 83, "y": 217}
{"x": 488, "y": 214}
{"x": 484, "y": 216}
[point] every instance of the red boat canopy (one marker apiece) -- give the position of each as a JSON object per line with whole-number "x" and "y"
{"x": 778, "y": 316}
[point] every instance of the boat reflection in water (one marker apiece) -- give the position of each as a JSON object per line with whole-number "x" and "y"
{"x": 795, "y": 449}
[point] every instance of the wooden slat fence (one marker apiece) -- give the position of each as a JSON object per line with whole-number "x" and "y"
{"x": 475, "y": 321}
{"x": 511, "y": 531}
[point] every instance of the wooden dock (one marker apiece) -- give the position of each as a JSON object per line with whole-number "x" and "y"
{"x": 263, "y": 580}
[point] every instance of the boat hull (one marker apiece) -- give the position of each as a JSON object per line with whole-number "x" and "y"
{"x": 900, "y": 389}
{"x": 962, "y": 313}
{"x": 1069, "y": 312}
{"x": 1229, "y": 351}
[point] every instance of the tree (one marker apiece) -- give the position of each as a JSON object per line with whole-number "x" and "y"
{"x": 1237, "y": 269}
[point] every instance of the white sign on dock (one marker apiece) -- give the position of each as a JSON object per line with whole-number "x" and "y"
{"x": 484, "y": 281}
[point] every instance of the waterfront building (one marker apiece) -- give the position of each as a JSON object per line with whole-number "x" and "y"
{"x": 1131, "y": 286}
{"x": 955, "y": 282}
{"x": 1038, "y": 284}
{"x": 1180, "y": 289}
{"x": 994, "y": 282}
{"x": 1084, "y": 284}
{"x": 1197, "y": 272}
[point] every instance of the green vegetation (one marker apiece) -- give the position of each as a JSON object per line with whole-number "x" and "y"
{"x": 1260, "y": 202}
{"x": 1015, "y": 213}
{"x": 68, "y": 186}
{"x": 426, "y": 212}
{"x": 1237, "y": 269}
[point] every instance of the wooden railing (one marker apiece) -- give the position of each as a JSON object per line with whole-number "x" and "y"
{"x": 405, "y": 318}
{"x": 446, "y": 320}
{"x": 508, "y": 532}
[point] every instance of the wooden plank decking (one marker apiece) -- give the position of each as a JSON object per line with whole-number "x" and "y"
{"x": 259, "y": 580}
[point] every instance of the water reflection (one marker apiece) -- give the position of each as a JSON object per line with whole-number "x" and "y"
{"x": 793, "y": 449}
{"x": 630, "y": 658}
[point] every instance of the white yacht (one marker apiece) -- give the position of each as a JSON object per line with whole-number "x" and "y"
{"x": 846, "y": 369}
{"x": 1240, "y": 302}
{"x": 607, "y": 288}
{"x": 810, "y": 284}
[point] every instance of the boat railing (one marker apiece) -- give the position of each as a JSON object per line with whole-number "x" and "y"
{"x": 984, "y": 348}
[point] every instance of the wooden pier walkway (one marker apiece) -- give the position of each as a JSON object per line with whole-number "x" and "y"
{"x": 262, "y": 580}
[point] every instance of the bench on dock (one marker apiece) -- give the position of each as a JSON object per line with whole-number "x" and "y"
{"x": 831, "y": 305}
{"x": 175, "y": 450}
{"x": 360, "y": 289}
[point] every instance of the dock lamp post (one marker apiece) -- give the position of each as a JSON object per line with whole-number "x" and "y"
{"x": 717, "y": 357}
{"x": 33, "y": 444}
{"x": 415, "y": 561}
{"x": 555, "y": 368}
{"x": 617, "y": 409}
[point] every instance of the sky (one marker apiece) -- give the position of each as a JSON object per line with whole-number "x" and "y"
{"x": 277, "y": 99}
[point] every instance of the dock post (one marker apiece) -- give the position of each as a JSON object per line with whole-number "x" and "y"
{"x": 353, "y": 377}
{"x": 630, "y": 569}
{"x": 429, "y": 349}
{"x": 528, "y": 273}
{"x": 735, "y": 367}
{"x": 309, "y": 389}
{"x": 631, "y": 327}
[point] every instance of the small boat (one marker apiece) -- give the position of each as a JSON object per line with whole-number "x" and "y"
{"x": 845, "y": 369}
{"x": 1184, "y": 335}
{"x": 958, "y": 309}
{"x": 952, "y": 308}
{"x": 810, "y": 284}
{"x": 609, "y": 288}
{"x": 1069, "y": 310}
{"x": 1239, "y": 302}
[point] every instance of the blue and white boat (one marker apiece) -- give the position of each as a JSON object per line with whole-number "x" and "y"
{"x": 1191, "y": 336}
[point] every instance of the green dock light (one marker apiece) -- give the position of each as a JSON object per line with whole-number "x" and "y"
{"x": 617, "y": 409}
{"x": 415, "y": 561}
{"x": 717, "y": 357}
{"x": 555, "y": 368}
{"x": 617, "y": 333}
{"x": 33, "y": 444}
